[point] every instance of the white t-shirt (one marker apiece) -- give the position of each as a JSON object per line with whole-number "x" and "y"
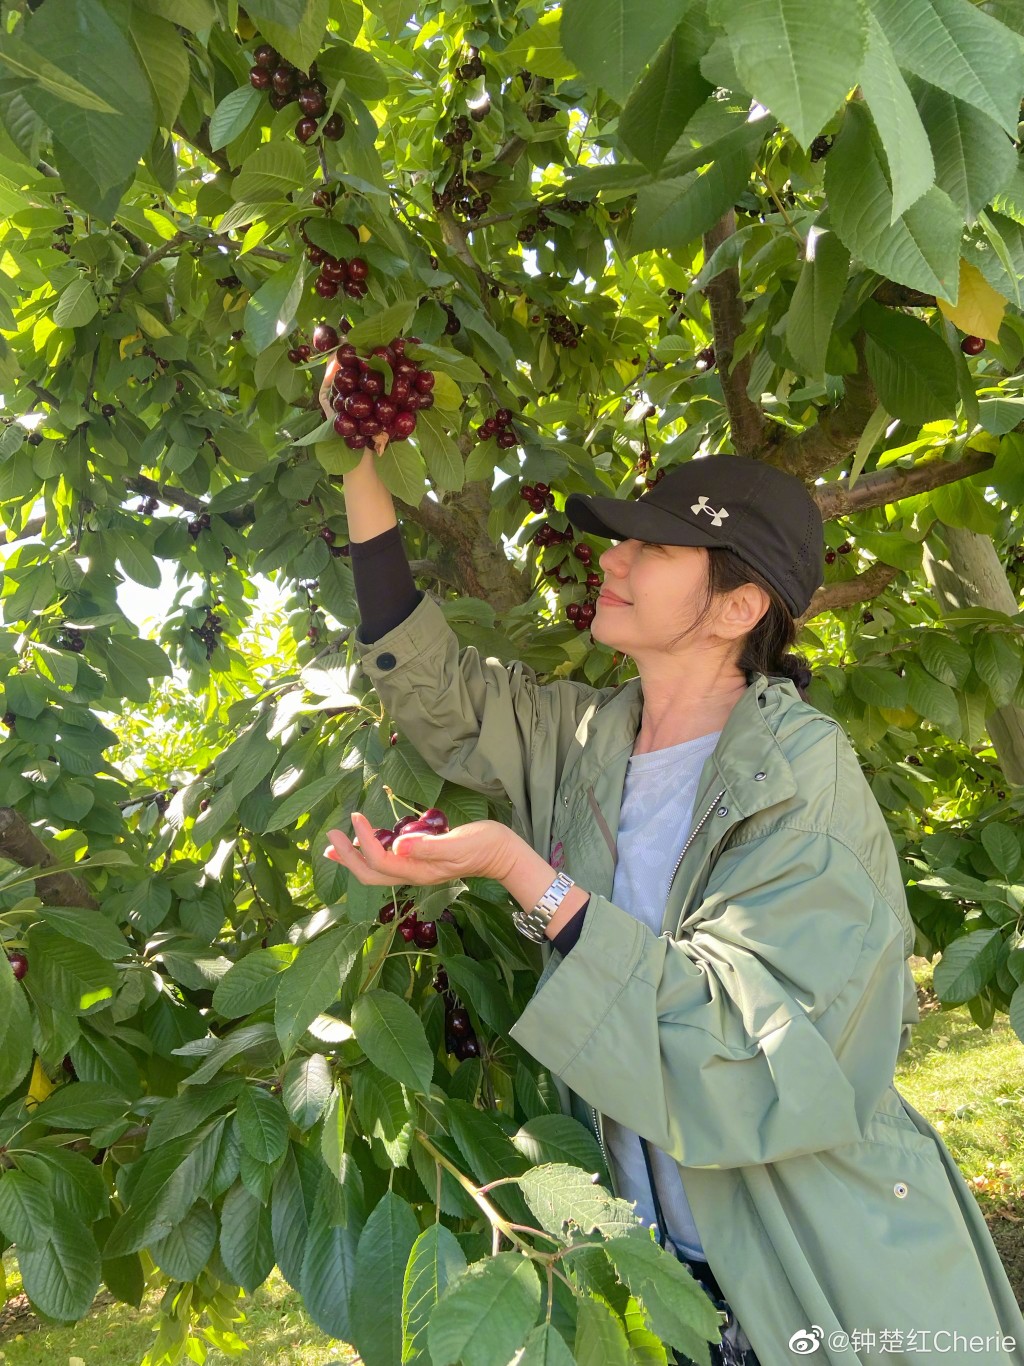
{"x": 655, "y": 818}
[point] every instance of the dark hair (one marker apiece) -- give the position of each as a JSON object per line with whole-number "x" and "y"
{"x": 765, "y": 649}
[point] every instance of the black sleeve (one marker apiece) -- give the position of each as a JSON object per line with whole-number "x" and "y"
{"x": 570, "y": 932}
{"x": 385, "y": 589}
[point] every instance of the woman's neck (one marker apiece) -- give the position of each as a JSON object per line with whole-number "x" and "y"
{"x": 677, "y": 721}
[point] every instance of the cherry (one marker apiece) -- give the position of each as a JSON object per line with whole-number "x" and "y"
{"x": 386, "y": 914}
{"x": 266, "y": 56}
{"x": 326, "y": 534}
{"x": 322, "y": 199}
{"x": 305, "y": 128}
{"x": 345, "y": 425}
{"x": 583, "y": 553}
{"x": 360, "y": 406}
{"x": 705, "y": 358}
{"x": 830, "y": 557}
{"x": 334, "y": 128}
{"x": 19, "y": 964}
{"x": 358, "y": 269}
{"x": 35, "y": 438}
{"x": 393, "y": 738}
{"x": 426, "y": 934}
{"x": 370, "y": 427}
{"x": 406, "y": 820}
{"x": 387, "y": 411}
{"x": 259, "y": 79}
{"x": 279, "y": 101}
{"x": 972, "y": 346}
{"x": 325, "y": 338}
{"x": 459, "y": 1021}
{"x": 844, "y": 549}
{"x": 311, "y": 101}
{"x": 355, "y": 290}
{"x": 316, "y": 256}
{"x": 405, "y": 423}
{"x": 425, "y": 381}
{"x": 325, "y": 286}
{"x": 355, "y": 443}
{"x": 372, "y": 383}
{"x": 407, "y": 928}
{"x": 467, "y": 1047}
{"x": 334, "y": 270}
{"x": 108, "y": 410}
{"x": 506, "y": 440}
{"x": 295, "y": 355}
{"x": 435, "y": 820}
{"x": 283, "y": 80}
{"x": 440, "y": 982}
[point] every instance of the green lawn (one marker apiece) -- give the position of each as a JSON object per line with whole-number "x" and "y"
{"x": 967, "y": 1081}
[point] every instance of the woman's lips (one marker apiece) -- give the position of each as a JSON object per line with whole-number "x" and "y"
{"x": 609, "y": 597}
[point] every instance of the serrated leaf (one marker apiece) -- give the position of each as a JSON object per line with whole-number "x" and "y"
{"x": 922, "y": 247}
{"x": 943, "y": 657}
{"x": 385, "y": 1243}
{"x": 600, "y": 1334}
{"x": 550, "y": 1138}
{"x": 15, "y": 1030}
{"x": 164, "y": 59}
{"x": 306, "y": 1089}
{"x": 61, "y": 1276}
{"x": 391, "y": 1035}
{"x": 26, "y": 1210}
{"x": 315, "y": 980}
{"x": 184, "y": 1252}
{"x": 77, "y": 305}
{"x": 233, "y": 115}
{"x": 262, "y": 1124}
{"x": 539, "y": 49}
{"x": 252, "y": 982}
{"x": 382, "y": 327}
{"x": 329, "y": 1264}
{"x": 966, "y": 965}
{"x": 246, "y": 1238}
{"x": 974, "y": 158}
{"x": 1002, "y": 846}
{"x": 270, "y": 312}
{"x": 68, "y": 974}
{"x": 792, "y": 63}
{"x": 164, "y": 1189}
{"x": 443, "y": 458}
{"x": 384, "y": 1110}
{"x": 435, "y": 1262}
{"x": 662, "y": 103}
{"x": 900, "y": 127}
{"x": 611, "y": 41}
{"x": 560, "y": 1195}
{"x": 912, "y": 368}
{"x": 677, "y": 1306}
{"x": 816, "y": 300}
{"x": 484, "y": 1317}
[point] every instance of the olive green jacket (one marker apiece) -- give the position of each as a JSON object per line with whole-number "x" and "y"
{"x": 755, "y": 1038}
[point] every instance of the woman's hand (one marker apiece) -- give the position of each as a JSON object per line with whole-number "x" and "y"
{"x": 478, "y": 849}
{"x": 325, "y": 387}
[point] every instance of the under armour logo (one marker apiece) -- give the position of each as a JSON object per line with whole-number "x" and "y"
{"x": 702, "y": 506}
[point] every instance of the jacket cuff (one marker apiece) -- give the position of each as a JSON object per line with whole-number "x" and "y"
{"x": 568, "y": 936}
{"x": 423, "y": 631}
{"x": 607, "y": 953}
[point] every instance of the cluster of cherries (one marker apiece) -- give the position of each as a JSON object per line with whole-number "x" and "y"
{"x": 287, "y": 84}
{"x": 540, "y": 496}
{"x": 335, "y": 272}
{"x": 844, "y": 549}
{"x": 63, "y": 231}
{"x": 543, "y": 222}
{"x": 474, "y": 68}
{"x": 363, "y": 407}
{"x": 563, "y": 331}
{"x": 500, "y": 427}
{"x": 705, "y": 359}
{"x": 70, "y": 639}
{"x": 209, "y": 632}
{"x": 459, "y": 196}
{"x": 198, "y": 525}
{"x": 459, "y": 1036}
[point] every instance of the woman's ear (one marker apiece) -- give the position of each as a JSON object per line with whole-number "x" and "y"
{"x": 742, "y": 609}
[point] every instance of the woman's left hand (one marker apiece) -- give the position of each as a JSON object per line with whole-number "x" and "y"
{"x": 478, "y": 849}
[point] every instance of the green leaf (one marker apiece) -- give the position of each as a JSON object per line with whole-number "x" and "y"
{"x": 77, "y": 305}
{"x": 184, "y": 1252}
{"x": 270, "y": 312}
{"x": 816, "y": 300}
{"x": 794, "y": 64}
{"x": 269, "y": 175}
{"x": 932, "y": 700}
{"x": 229, "y": 1047}
{"x": 164, "y": 59}
{"x": 332, "y": 1136}
{"x": 958, "y": 48}
{"x": 329, "y": 1264}
{"x": 663, "y": 102}
{"x": 307, "y": 1089}
{"x": 922, "y": 247}
{"x": 396, "y": 14}
{"x": 246, "y": 1238}
{"x": 297, "y": 41}
{"x": 435, "y": 1262}
{"x": 79, "y": 1105}
{"x": 360, "y": 71}
{"x": 974, "y": 158}
{"x": 135, "y": 559}
{"x": 85, "y": 42}
{"x": 26, "y": 1210}
{"x": 910, "y": 365}
{"x": 559, "y": 1194}
{"x": 391, "y": 1035}
{"x": 611, "y": 41}
{"x": 384, "y": 1110}
{"x": 600, "y": 1334}
{"x": 300, "y": 802}
{"x": 539, "y": 49}
{"x": 998, "y": 664}
{"x": 966, "y": 965}
{"x": 484, "y": 1317}
{"x": 69, "y": 975}
{"x": 678, "y": 1308}
{"x": 315, "y": 980}
{"x": 164, "y": 1188}
{"x": 62, "y": 1275}
{"x": 907, "y": 149}
{"x": 676, "y": 209}
{"x": 545, "y": 1346}
{"x": 444, "y": 459}
{"x": 384, "y": 1246}
{"x": 15, "y": 1030}
{"x": 292, "y": 1199}
{"x": 30, "y": 65}
{"x": 252, "y": 982}
{"x": 262, "y": 1124}
{"x": 559, "y": 1138}
{"x": 943, "y": 657}
{"x": 233, "y": 115}
{"x": 1000, "y": 843}
{"x": 380, "y": 328}
{"x": 878, "y": 687}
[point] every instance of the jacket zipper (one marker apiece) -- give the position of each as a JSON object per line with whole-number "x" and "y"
{"x": 598, "y": 1128}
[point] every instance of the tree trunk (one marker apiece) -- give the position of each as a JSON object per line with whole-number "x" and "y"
{"x": 970, "y": 575}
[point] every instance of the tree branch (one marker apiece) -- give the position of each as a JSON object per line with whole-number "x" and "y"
{"x": 893, "y": 295}
{"x": 21, "y": 845}
{"x": 860, "y": 589}
{"x": 835, "y": 434}
{"x": 890, "y": 485}
{"x": 201, "y": 142}
{"x": 746, "y": 419}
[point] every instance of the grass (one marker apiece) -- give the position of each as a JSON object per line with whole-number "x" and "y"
{"x": 966, "y": 1081}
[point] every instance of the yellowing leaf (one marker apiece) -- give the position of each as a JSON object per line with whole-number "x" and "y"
{"x": 149, "y": 322}
{"x": 520, "y": 310}
{"x": 40, "y": 1086}
{"x": 364, "y": 233}
{"x": 979, "y": 308}
{"x": 447, "y": 394}
{"x": 899, "y": 716}
{"x": 127, "y": 341}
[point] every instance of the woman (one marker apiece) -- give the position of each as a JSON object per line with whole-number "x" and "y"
{"x": 726, "y": 992}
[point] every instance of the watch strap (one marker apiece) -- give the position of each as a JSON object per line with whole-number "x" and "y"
{"x": 533, "y": 923}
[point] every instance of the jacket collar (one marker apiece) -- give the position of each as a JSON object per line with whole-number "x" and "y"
{"x": 747, "y": 746}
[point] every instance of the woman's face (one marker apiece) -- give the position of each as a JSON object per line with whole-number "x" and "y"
{"x": 663, "y": 587}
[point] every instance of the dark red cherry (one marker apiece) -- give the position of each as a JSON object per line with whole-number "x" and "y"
{"x": 435, "y": 820}
{"x": 283, "y": 80}
{"x": 426, "y": 934}
{"x": 467, "y": 1047}
{"x": 405, "y": 423}
{"x": 358, "y": 269}
{"x": 311, "y": 101}
{"x": 305, "y": 128}
{"x": 325, "y": 338}
{"x": 386, "y": 914}
{"x": 267, "y": 56}
{"x": 459, "y": 1021}
{"x": 334, "y": 128}
{"x": 972, "y": 346}
{"x": 259, "y": 79}
{"x": 19, "y": 964}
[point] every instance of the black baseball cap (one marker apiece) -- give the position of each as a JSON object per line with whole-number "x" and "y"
{"x": 760, "y": 512}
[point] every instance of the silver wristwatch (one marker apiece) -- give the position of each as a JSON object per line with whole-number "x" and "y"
{"x": 533, "y": 923}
